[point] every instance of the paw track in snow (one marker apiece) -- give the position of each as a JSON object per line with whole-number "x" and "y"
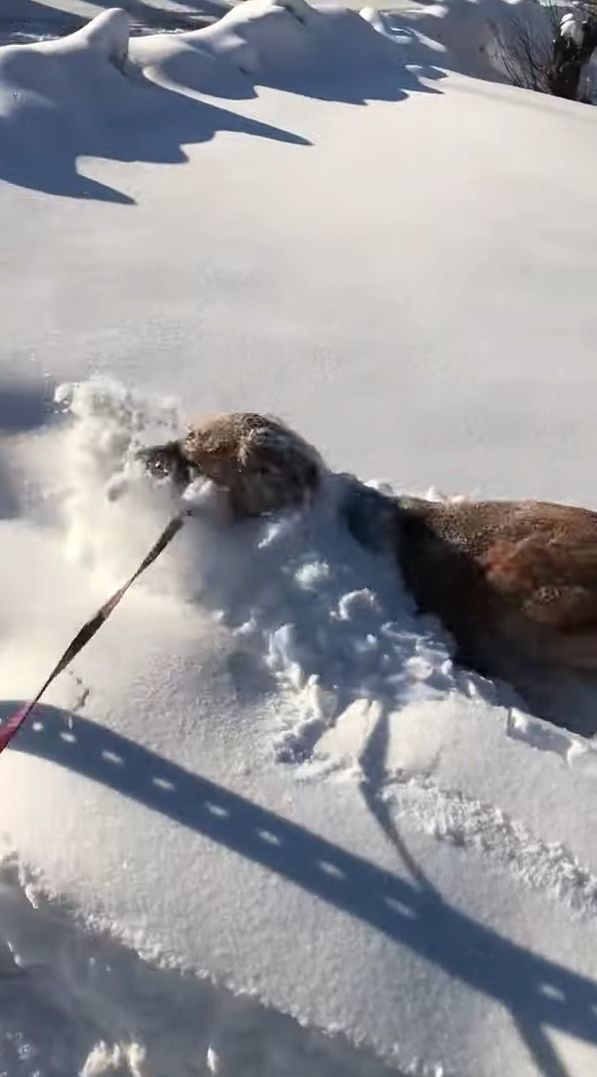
{"x": 450, "y": 816}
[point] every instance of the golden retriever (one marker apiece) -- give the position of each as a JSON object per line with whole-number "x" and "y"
{"x": 514, "y": 582}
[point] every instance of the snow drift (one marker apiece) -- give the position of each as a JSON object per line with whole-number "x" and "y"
{"x": 76, "y": 97}
{"x": 95, "y": 93}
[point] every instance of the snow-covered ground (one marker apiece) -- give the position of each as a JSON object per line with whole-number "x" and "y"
{"x": 263, "y": 825}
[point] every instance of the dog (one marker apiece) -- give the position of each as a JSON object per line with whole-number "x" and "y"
{"x": 514, "y": 582}
{"x": 260, "y": 464}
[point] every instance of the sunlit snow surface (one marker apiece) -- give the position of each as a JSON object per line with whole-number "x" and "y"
{"x": 263, "y": 825}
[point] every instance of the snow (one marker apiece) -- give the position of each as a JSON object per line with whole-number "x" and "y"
{"x": 264, "y": 825}
{"x": 571, "y": 26}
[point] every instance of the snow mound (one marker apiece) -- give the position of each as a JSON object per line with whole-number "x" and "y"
{"x": 66, "y": 73}
{"x": 99, "y": 93}
{"x": 57, "y": 96}
{"x": 107, "y": 35}
{"x": 80, "y": 96}
{"x": 475, "y": 39}
{"x": 288, "y": 44}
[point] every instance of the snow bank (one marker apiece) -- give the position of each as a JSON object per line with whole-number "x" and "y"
{"x": 64, "y": 74}
{"x": 98, "y": 94}
{"x": 107, "y": 35}
{"x": 75, "y": 97}
{"x": 56, "y": 95}
{"x": 284, "y": 44}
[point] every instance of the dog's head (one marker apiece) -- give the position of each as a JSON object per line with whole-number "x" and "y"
{"x": 167, "y": 461}
{"x": 262, "y": 464}
{"x": 259, "y": 463}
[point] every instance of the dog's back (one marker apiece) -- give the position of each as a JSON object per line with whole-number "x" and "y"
{"x": 522, "y": 574}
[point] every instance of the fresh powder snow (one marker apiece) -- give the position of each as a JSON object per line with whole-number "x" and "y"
{"x": 263, "y": 825}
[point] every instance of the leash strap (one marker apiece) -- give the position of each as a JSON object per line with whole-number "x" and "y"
{"x": 87, "y": 632}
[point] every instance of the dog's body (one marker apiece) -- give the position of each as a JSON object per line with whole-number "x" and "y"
{"x": 506, "y": 573}
{"x": 514, "y": 582}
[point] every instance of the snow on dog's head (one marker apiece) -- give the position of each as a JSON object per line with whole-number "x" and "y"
{"x": 111, "y": 508}
{"x": 262, "y": 464}
{"x": 114, "y": 508}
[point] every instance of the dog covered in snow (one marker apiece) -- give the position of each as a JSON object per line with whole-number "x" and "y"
{"x": 514, "y": 582}
{"x": 259, "y": 463}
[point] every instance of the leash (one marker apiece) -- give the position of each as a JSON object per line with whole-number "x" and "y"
{"x": 87, "y": 632}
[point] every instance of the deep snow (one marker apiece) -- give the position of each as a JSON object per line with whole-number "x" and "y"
{"x": 264, "y": 825}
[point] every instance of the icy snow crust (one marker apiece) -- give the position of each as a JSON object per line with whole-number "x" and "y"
{"x": 263, "y": 825}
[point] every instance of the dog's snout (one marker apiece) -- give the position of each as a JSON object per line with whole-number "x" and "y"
{"x": 166, "y": 461}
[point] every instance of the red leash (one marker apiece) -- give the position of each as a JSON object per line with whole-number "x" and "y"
{"x": 89, "y": 629}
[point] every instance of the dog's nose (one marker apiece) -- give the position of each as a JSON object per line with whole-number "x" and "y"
{"x": 167, "y": 461}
